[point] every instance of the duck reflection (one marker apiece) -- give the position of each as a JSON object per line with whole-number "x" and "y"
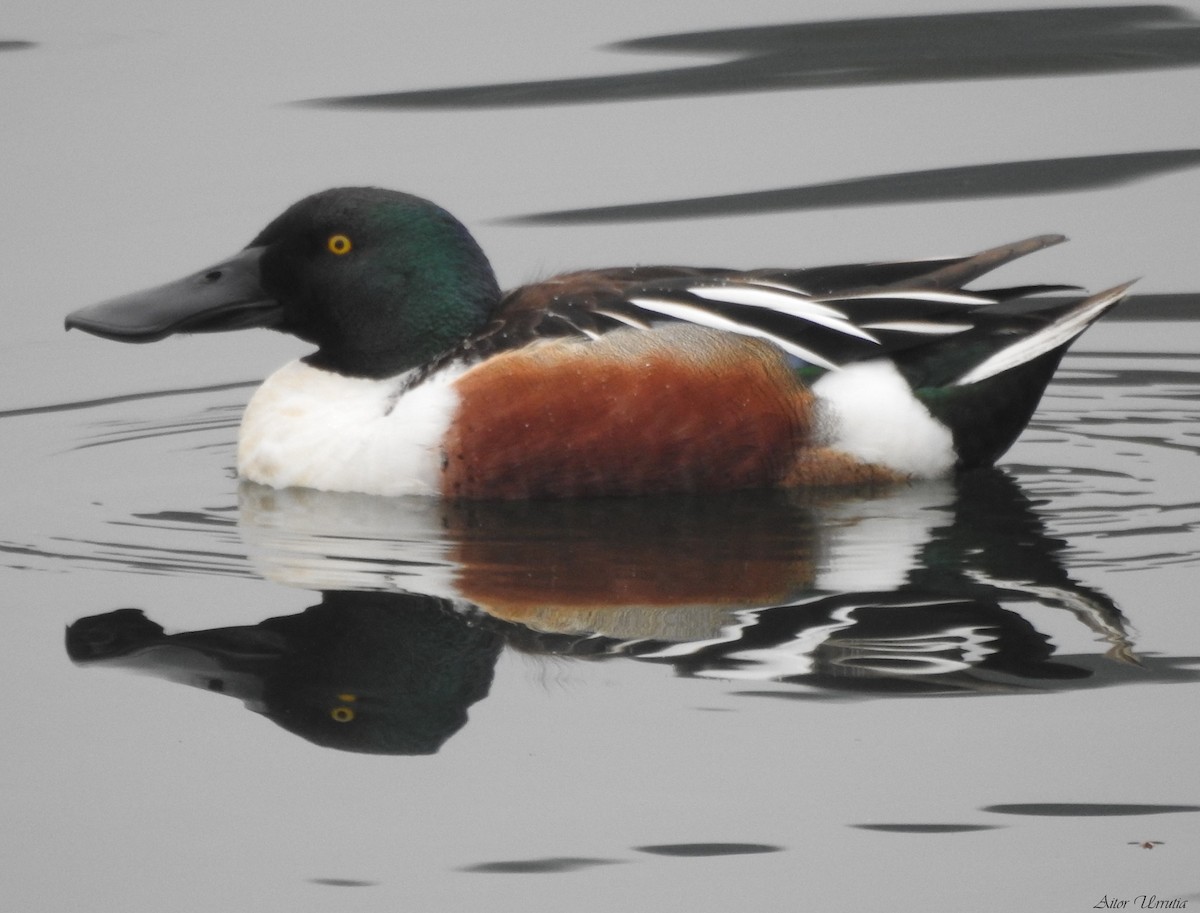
{"x": 384, "y": 673}
{"x": 931, "y": 588}
{"x": 922, "y": 590}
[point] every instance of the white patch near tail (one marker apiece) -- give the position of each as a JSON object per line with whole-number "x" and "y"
{"x": 868, "y": 410}
{"x": 1050, "y": 337}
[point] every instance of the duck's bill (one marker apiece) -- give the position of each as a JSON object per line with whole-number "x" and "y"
{"x": 226, "y": 296}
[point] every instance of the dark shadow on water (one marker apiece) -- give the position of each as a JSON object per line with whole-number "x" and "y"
{"x": 1087, "y": 809}
{"x": 970, "y": 182}
{"x": 1181, "y": 306}
{"x": 125, "y": 398}
{"x": 855, "y": 52}
{"x": 549, "y": 866}
{"x": 343, "y": 882}
{"x": 6, "y": 45}
{"x": 926, "y": 828}
{"x": 708, "y": 849}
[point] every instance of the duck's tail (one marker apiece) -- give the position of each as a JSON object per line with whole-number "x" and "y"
{"x": 985, "y": 384}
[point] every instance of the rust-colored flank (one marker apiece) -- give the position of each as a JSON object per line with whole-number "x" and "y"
{"x": 634, "y": 412}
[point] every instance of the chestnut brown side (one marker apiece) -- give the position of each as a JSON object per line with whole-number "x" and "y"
{"x": 634, "y": 412}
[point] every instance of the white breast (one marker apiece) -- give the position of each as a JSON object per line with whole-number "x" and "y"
{"x": 310, "y": 428}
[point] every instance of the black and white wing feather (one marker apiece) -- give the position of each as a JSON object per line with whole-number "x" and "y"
{"x": 825, "y": 316}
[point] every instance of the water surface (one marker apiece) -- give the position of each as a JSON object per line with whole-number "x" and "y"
{"x": 223, "y": 697}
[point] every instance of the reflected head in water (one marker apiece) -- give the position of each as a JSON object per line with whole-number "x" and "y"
{"x": 380, "y": 673}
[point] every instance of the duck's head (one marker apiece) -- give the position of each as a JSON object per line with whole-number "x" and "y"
{"x": 379, "y": 281}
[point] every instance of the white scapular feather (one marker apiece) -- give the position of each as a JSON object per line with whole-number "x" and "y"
{"x": 624, "y": 318}
{"x": 922, "y": 327}
{"x": 698, "y": 315}
{"x": 933, "y": 295}
{"x": 798, "y": 306}
{"x": 1050, "y": 337}
{"x": 772, "y": 297}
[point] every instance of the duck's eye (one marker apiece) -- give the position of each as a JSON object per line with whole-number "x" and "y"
{"x": 341, "y": 714}
{"x": 338, "y": 244}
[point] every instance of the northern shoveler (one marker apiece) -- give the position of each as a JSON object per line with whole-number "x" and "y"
{"x": 635, "y": 380}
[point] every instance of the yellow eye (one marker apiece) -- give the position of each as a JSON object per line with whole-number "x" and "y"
{"x": 338, "y": 244}
{"x": 341, "y": 714}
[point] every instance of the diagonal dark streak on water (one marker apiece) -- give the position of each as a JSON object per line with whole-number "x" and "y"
{"x": 124, "y": 398}
{"x": 968, "y": 182}
{"x": 854, "y": 52}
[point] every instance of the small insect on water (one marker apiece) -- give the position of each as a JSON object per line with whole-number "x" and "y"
{"x": 1146, "y": 844}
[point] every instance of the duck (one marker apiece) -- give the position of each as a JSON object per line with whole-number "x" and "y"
{"x": 427, "y": 379}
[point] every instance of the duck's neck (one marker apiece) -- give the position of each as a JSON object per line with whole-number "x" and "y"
{"x": 409, "y": 343}
{"x": 433, "y": 321}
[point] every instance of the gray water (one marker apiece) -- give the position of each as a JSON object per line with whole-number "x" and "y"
{"x": 972, "y": 695}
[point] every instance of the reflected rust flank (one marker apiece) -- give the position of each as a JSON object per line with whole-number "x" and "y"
{"x": 596, "y": 587}
{"x": 632, "y": 413}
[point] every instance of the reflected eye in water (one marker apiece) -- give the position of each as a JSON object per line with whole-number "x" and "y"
{"x": 344, "y": 714}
